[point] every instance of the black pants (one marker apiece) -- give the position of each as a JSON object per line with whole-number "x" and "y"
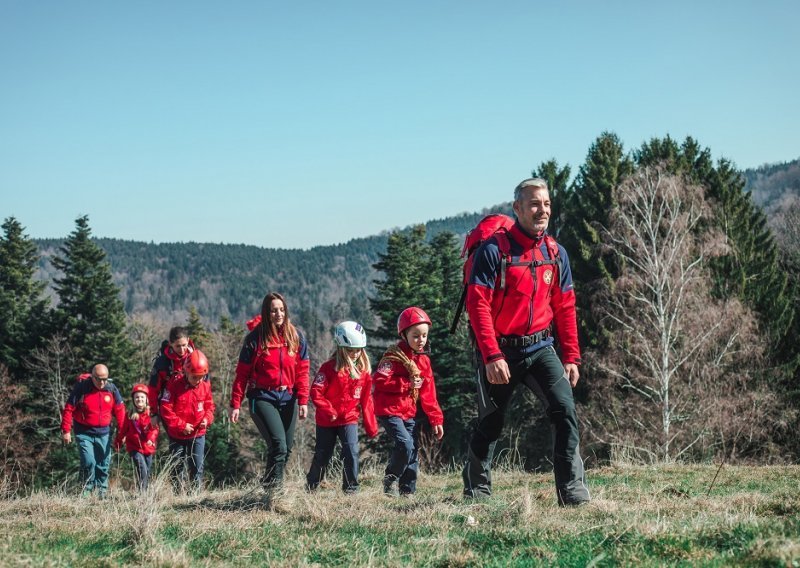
{"x": 276, "y": 423}
{"x": 543, "y": 373}
{"x": 323, "y": 452}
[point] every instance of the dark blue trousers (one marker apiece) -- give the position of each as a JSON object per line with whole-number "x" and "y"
{"x": 323, "y": 452}
{"x": 188, "y": 455}
{"x": 142, "y": 466}
{"x": 403, "y": 464}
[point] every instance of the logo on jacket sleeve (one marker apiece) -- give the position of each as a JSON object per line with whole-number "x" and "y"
{"x": 200, "y": 406}
{"x": 319, "y": 379}
{"x": 166, "y": 396}
{"x": 384, "y": 368}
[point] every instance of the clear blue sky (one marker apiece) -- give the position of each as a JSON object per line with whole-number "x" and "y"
{"x": 292, "y": 124}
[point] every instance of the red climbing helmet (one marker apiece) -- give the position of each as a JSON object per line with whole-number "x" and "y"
{"x": 196, "y": 363}
{"x": 139, "y": 388}
{"x": 411, "y": 316}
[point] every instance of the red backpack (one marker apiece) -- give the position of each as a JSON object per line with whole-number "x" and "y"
{"x": 496, "y": 225}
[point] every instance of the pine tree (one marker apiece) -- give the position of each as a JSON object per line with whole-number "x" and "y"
{"x": 403, "y": 267}
{"x": 586, "y": 212}
{"x": 558, "y": 181}
{"x": 197, "y": 331}
{"x": 23, "y": 308}
{"x": 90, "y": 315}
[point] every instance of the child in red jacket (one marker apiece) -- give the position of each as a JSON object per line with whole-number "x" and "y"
{"x": 342, "y": 384}
{"x": 403, "y": 380}
{"x": 187, "y": 410}
{"x": 139, "y": 435}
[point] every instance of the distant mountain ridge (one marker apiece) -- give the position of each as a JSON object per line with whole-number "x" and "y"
{"x": 323, "y": 284}
{"x": 773, "y": 185}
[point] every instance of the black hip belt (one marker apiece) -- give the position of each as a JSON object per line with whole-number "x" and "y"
{"x": 525, "y": 340}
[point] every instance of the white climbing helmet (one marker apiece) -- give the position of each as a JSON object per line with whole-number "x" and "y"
{"x": 350, "y": 334}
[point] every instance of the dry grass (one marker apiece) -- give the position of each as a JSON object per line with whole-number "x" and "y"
{"x": 642, "y": 516}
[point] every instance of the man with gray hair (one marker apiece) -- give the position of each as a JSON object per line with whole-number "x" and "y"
{"x": 90, "y": 406}
{"x": 519, "y": 294}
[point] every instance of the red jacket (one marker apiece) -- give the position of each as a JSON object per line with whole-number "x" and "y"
{"x": 337, "y": 397}
{"x": 270, "y": 369}
{"x": 137, "y": 433}
{"x": 166, "y": 366}
{"x": 393, "y": 388}
{"x": 527, "y": 304}
{"x": 184, "y": 404}
{"x": 92, "y": 409}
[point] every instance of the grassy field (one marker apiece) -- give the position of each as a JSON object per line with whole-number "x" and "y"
{"x": 639, "y": 516}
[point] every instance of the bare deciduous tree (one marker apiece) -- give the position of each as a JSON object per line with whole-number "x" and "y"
{"x": 145, "y": 333}
{"x": 51, "y": 365}
{"x": 676, "y": 381}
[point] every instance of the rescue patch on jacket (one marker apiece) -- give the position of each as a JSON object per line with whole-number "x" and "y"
{"x": 200, "y": 406}
{"x": 319, "y": 379}
{"x": 384, "y": 368}
{"x": 548, "y": 276}
{"x": 357, "y": 392}
{"x": 166, "y": 396}
{"x": 107, "y": 399}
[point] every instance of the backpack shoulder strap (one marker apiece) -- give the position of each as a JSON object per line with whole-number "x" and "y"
{"x": 504, "y": 246}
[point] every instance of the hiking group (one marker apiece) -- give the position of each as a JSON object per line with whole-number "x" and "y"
{"x": 519, "y": 297}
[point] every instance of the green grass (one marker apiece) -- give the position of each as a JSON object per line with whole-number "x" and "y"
{"x": 642, "y": 516}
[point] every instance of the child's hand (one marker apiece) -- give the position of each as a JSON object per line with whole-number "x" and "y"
{"x": 438, "y": 431}
{"x": 418, "y": 382}
{"x": 188, "y": 429}
{"x": 204, "y": 423}
{"x": 334, "y": 418}
{"x": 150, "y": 443}
{"x": 302, "y": 411}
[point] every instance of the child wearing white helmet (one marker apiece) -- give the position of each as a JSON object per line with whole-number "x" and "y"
{"x": 341, "y": 386}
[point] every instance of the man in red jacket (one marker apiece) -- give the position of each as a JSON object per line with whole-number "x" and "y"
{"x": 519, "y": 287}
{"x": 90, "y": 407}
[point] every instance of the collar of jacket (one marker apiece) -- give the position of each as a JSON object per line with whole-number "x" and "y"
{"x": 522, "y": 237}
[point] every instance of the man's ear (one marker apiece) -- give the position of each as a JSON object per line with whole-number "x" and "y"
{"x": 514, "y": 206}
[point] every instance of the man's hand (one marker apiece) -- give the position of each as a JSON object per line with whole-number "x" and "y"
{"x": 438, "y": 431}
{"x": 234, "y": 414}
{"x": 573, "y": 374}
{"x": 66, "y": 437}
{"x": 497, "y": 372}
{"x": 302, "y": 411}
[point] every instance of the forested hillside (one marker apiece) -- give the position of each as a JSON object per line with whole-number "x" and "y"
{"x": 323, "y": 283}
{"x": 773, "y": 185}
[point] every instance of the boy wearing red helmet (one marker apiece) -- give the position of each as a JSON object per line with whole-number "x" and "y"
{"x": 187, "y": 410}
{"x": 139, "y": 435}
{"x": 404, "y": 379}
